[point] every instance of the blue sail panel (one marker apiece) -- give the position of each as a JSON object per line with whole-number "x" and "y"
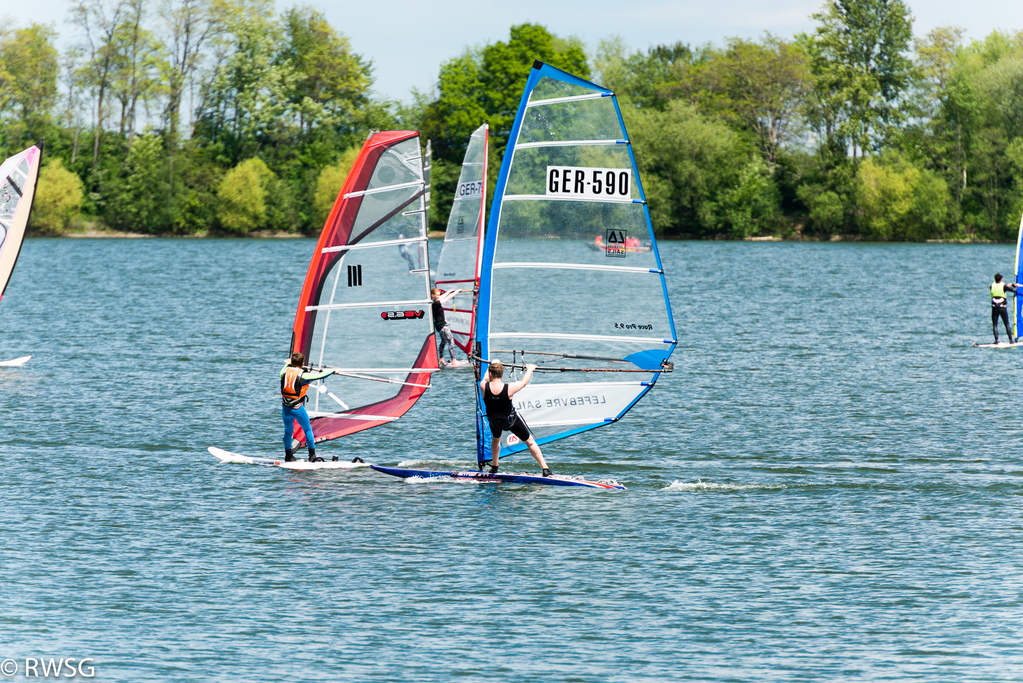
{"x": 571, "y": 278}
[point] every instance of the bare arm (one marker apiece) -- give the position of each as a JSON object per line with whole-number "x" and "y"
{"x": 448, "y": 295}
{"x": 521, "y": 384}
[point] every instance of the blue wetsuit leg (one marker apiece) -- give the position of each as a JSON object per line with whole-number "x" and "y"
{"x": 289, "y": 415}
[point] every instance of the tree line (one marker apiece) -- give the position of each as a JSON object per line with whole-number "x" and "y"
{"x": 179, "y": 117}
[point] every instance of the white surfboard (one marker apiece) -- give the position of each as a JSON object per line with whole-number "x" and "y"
{"x": 16, "y": 363}
{"x": 999, "y": 345}
{"x": 300, "y": 464}
{"x": 455, "y": 364}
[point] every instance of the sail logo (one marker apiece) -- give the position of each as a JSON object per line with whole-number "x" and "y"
{"x": 614, "y": 243}
{"x": 466, "y": 190}
{"x": 355, "y": 276}
{"x": 402, "y": 315}
{"x": 593, "y": 183}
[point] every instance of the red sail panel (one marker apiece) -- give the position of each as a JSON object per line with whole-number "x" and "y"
{"x": 365, "y": 306}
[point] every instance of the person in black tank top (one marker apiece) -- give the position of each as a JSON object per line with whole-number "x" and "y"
{"x": 502, "y": 416}
{"x": 441, "y": 325}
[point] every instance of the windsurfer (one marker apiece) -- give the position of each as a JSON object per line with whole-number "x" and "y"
{"x": 502, "y": 416}
{"x": 294, "y": 384}
{"x": 998, "y": 306}
{"x": 447, "y": 339}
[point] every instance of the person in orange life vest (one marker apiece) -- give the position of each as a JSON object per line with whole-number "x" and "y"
{"x": 294, "y": 383}
{"x": 502, "y": 416}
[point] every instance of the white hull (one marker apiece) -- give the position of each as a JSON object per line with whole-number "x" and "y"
{"x": 999, "y": 345}
{"x": 300, "y": 464}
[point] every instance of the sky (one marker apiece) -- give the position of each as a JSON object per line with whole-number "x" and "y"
{"x": 408, "y": 40}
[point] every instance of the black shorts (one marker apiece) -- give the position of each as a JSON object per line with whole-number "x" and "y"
{"x": 512, "y": 423}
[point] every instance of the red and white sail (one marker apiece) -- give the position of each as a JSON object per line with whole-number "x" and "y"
{"x": 462, "y": 253}
{"x": 365, "y": 305}
{"x": 18, "y": 177}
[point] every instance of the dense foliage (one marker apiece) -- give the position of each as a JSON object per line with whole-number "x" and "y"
{"x": 222, "y": 116}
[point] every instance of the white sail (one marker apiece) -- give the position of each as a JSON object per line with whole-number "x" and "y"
{"x": 460, "y": 257}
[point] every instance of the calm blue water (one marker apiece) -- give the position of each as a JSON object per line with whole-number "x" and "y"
{"x": 827, "y": 488}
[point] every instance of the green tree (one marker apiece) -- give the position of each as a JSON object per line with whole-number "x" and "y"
{"x": 899, "y": 200}
{"x": 760, "y": 87}
{"x": 485, "y": 85}
{"x": 28, "y": 79}
{"x": 245, "y": 105}
{"x": 138, "y": 64}
{"x": 137, "y": 198}
{"x": 332, "y": 82}
{"x": 243, "y": 193}
{"x": 858, "y": 57}
{"x": 687, "y": 163}
{"x": 753, "y": 203}
{"x": 58, "y": 200}
{"x": 650, "y": 79}
{"x": 99, "y": 24}
{"x": 190, "y": 26}
{"x": 329, "y": 183}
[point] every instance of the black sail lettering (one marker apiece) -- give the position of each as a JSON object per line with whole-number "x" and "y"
{"x": 552, "y": 184}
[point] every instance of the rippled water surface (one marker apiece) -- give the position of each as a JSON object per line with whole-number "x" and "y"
{"x": 827, "y": 488}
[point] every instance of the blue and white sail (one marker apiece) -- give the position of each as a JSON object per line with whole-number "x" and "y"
{"x": 598, "y": 324}
{"x": 1017, "y": 323}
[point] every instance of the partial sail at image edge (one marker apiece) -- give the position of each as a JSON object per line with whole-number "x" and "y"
{"x": 19, "y": 176}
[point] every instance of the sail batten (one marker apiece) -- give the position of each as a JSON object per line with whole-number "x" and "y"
{"x": 370, "y": 304}
{"x": 562, "y": 100}
{"x": 570, "y": 143}
{"x": 364, "y": 309}
{"x": 575, "y": 266}
{"x": 385, "y": 188}
{"x": 587, "y": 306}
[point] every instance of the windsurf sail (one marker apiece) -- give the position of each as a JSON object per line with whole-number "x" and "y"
{"x": 597, "y": 324}
{"x": 365, "y": 305}
{"x": 18, "y": 177}
{"x": 1017, "y": 323}
{"x": 462, "y": 253}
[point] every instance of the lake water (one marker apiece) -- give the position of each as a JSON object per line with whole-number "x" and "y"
{"x": 828, "y": 487}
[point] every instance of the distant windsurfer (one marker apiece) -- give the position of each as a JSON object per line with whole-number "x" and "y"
{"x": 403, "y": 250}
{"x": 447, "y": 339}
{"x": 294, "y": 384}
{"x": 999, "y": 308}
{"x": 502, "y": 416}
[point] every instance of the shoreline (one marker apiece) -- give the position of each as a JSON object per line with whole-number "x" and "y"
{"x": 113, "y": 234}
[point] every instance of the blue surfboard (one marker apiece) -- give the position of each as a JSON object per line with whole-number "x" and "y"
{"x": 484, "y": 477}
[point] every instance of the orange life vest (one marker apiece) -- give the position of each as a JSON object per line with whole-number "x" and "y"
{"x": 291, "y": 394}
